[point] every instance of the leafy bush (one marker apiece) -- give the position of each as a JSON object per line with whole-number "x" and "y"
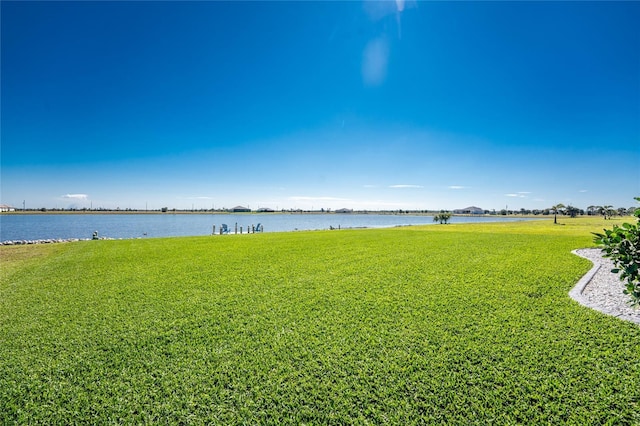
{"x": 622, "y": 245}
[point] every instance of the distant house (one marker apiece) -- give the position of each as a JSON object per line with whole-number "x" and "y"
{"x": 344, "y": 211}
{"x": 265, "y": 210}
{"x": 6, "y": 208}
{"x": 469, "y": 210}
{"x": 240, "y": 209}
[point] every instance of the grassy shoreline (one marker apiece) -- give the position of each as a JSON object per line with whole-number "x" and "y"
{"x": 457, "y": 324}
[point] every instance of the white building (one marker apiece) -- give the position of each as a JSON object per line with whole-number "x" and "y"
{"x": 469, "y": 210}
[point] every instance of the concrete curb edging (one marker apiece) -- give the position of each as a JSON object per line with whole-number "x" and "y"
{"x": 602, "y": 281}
{"x": 576, "y": 291}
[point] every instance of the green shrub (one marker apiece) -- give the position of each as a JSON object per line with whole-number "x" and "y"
{"x": 622, "y": 245}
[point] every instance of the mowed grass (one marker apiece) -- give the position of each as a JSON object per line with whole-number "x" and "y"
{"x": 455, "y": 324}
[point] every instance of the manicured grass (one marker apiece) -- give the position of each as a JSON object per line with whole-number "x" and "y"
{"x": 450, "y": 324}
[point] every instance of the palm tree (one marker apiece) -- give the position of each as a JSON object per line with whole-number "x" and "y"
{"x": 442, "y": 217}
{"x": 555, "y": 209}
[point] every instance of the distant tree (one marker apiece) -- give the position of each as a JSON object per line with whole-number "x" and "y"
{"x": 597, "y": 210}
{"x": 558, "y": 208}
{"x": 622, "y": 211}
{"x": 443, "y": 217}
{"x": 572, "y": 211}
{"x": 592, "y": 210}
{"x": 607, "y": 211}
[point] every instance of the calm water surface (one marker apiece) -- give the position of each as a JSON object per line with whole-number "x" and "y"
{"x": 52, "y": 226}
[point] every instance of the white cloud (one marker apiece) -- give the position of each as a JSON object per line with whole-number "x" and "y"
{"x": 583, "y": 190}
{"x": 457, "y": 187}
{"x": 520, "y": 194}
{"x": 76, "y": 196}
{"x": 405, "y": 186}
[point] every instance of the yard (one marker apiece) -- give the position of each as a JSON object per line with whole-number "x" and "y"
{"x": 450, "y": 324}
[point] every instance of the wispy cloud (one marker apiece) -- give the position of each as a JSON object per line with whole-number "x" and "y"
{"x": 76, "y": 196}
{"x": 457, "y": 187}
{"x": 520, "y": 194}
{"x": 583, "y": 190}
{"x": 405, "y": 186}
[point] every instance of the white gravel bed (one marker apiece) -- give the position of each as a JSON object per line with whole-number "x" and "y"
{"x": 600, "y": 289}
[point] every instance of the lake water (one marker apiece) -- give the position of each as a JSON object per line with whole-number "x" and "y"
{"x": 54, "y": 226}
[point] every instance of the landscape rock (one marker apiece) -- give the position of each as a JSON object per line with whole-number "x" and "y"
{"x": 602, "y": 290}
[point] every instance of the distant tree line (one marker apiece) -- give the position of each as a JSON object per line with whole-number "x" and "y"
{"x": 606, "y": 211}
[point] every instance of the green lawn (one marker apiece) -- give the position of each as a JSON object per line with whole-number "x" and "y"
{"x": 447, "y": 324}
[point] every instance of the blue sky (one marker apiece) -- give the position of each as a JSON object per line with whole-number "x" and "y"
{"x": 364, "y": 105}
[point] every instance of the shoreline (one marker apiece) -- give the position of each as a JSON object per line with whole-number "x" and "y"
{"x": 55, "y": 241}
{"x": 73, "y": 240}
{"x": 24, "y": 228}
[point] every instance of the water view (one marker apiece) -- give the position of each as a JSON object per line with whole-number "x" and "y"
{"x": 65, "y": 226}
